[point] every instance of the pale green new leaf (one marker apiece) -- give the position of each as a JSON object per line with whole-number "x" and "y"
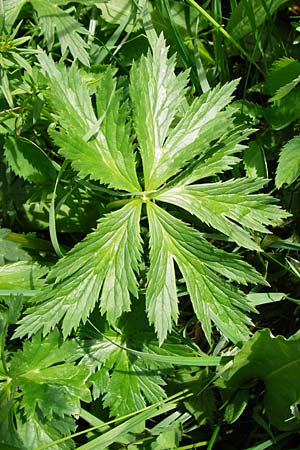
{"x": 97, "y": 147}
{"x": 203, "y": 268}
{"x": 230, "y": 207}
{"x": 157, "y": 96}
{"x": 105, "y": 261}
{"x": 289, "y": 163}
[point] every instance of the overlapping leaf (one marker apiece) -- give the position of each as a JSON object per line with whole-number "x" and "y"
{"x": 194, "y": 132}
{"x": 106, "y": 260}
{"x": 29, "y": 161}
{"x": 97, "y": 147}
{"x": 127, "y": 380}
{"x": 33, "y": 432}
{"x": 55, "y": 388}
{"x": 216, "y": 157}
{"x": 248, "y": 15}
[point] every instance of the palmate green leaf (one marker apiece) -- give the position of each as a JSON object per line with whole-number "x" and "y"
{"x": 46, "y": 381}
{"x": 179, "y": 144}
{"x": 42, "y": 393}
{"x": 20, "y": 433}
{"x": 275, "y": 361}
{"x": 202, "y": 267}
{"x": 97, "y": 147}
{"x": 288, "y": 169}
{"x": 128, "y": 392}
{"x": 106, "y": 260}
{"x": 230, "y": 207}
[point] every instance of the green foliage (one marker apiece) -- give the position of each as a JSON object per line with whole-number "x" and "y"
{"x": 133, "y": 155}
{"x": 11, "y": 251}
{"x": 119, "y": 374}
{"x": 52, "y": 19}
{"x": 288, "y": 169}
{"x": 255, "y": 161}
{"x": 104, "y": 141}
{"x": 106, "y": 259}
{"x": 51, "y": 391}
{"x": 282, "y": 83}
{"x": 249, "y": 15}
{"x": 29, "y": 161}
{"x": 21, "y": 275}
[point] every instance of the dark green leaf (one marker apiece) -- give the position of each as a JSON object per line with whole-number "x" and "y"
{"x": 275, "y": 361}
